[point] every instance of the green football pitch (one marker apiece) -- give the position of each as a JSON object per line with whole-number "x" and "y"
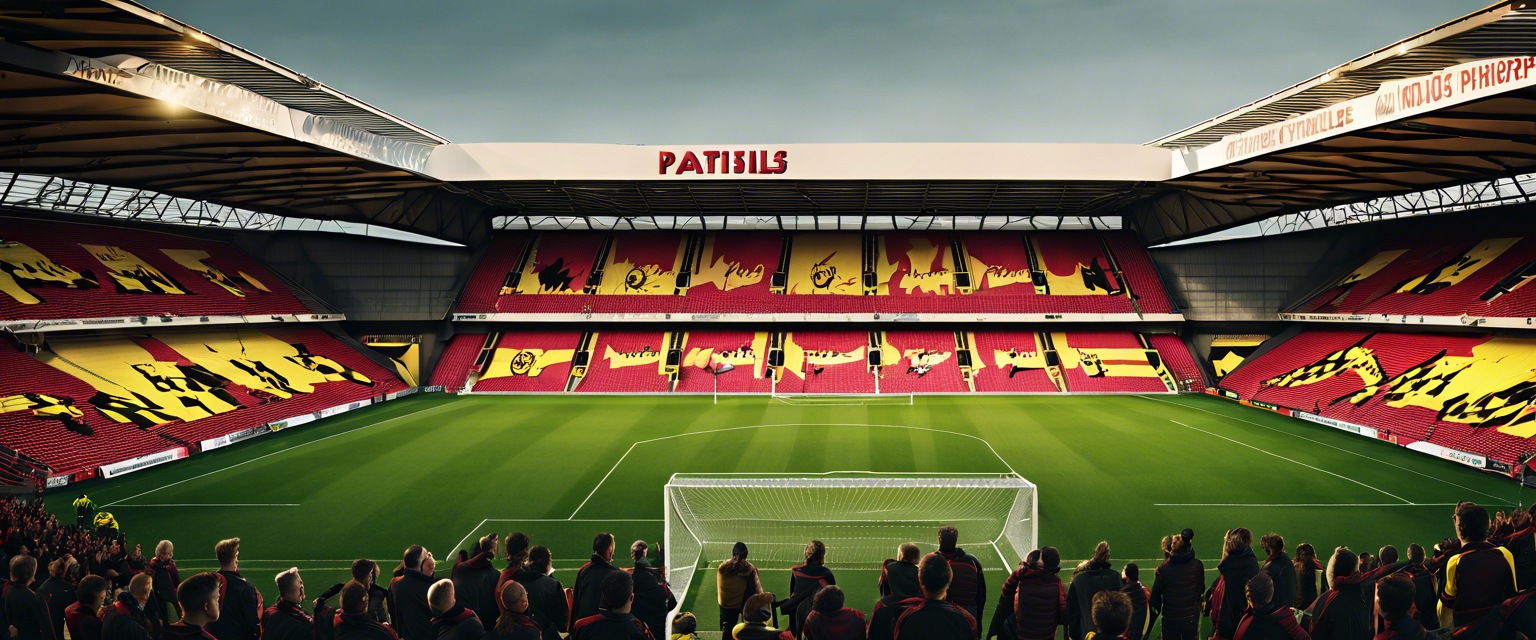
{"x": 440, "y": 470}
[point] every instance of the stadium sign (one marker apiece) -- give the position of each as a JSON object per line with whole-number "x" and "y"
{"x": 1470, "y": 459}
{"x": 1337, "y": 424}
{"x": 142, "y": 462}
{"x": 705, "y": 162}
{"x": 55, "y": 482}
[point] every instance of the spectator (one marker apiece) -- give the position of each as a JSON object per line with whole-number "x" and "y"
{"x": 968, "y": 587}
{"x": 58, "y": 592}
{"x": 1097, "y": 576}
{"x": 936, "y": 618}
{"x": 1395, "y": 598}
{"x": 1034, "y": 600}
{"x": 451, "y": 619}
{"x": 546, "y": 596}
{"x": 1167, "y": 547}
{"x": 198, "y": 598}
{"x": 685, "y": 627}
{"x": 1266, "y": 618}
{"x": 1478, "y": 575}
{"x": 1111, "y": 613}
{"x": 1340, "y": 613}
{"x": 408, "y": 607}
{"x": 804, "y": 581}
{"x": 24, "y": 610}
{"x": 325, "y": 615}
{"x": 613, "y": 620}
{"x": 1425, "y": 597}
{"x": 516, "y": 550}
{"x": 898, "y": 577}
{"x": 1520, "y": 538}
{"x": 366, "y": 573}
{"x": 126, "y": 619}
{"x": 514, "y": 622}
{"x": 736, "y": 580}
{"x": 1309, "y": 576}
{"x": 1138, "y": 595}
{"x": 166, "y": 577}
{"x": 1228, "y": 598}
{"x": 240, "y": 605}
{"x": 653, "y": 598}
{"x": 1282, "y": 572}
{"x": 1176, "y": 589}
{"x": 83, "y": 510}
{"x": 83, "y": 618}
{"x": 588, "y": 595}
{"x": 287, "y": 620}
{"x": 830, "y": 620}
{"x": 354, "y": 622}
{"x": 474, "y": 579}
{"x": 756, "y": 614}
{"x": 882, "y": 621}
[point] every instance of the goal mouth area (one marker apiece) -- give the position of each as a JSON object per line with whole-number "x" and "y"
{"x": 860, "y": 516}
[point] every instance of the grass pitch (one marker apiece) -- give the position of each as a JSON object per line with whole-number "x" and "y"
{"x": 439, "y": 470}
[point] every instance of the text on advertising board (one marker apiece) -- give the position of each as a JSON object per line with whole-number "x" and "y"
{"x": 725, "y": 161}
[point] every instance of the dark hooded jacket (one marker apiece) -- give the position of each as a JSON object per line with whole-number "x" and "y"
{"x": 458, "y": 623}
{"x": 653, "y": 598}
{"x": 408, "y": 608}
{"x": 1138, "y": 595}
{"x": 1403, "y": 628}
{"x": 125, "y": 620}
{"x": 1270, "y": 622}
{"x": 588, "y": 596}
{"x": 239, "y": 610}
{"x": 474, "y": 586}
{"x": 286, "y": 621}
{"x": 519, "y": 626}
{"x": 1177, "y": 586}
{"x": 546, "y": 602}
{"x": 608, "y": 625}
{"x": 882, "y": 621}
{"x": 1034, "y": 601}
{"x": 1283, "y": 572}
{"x": 804, "y": 581}
{"x": 1236, "y": 570}
{"x": 1098, "y": 577}
{"x": 899, "y": 578}
{"x": 847, "y": 624}
{"x": 967, "y": 585}
{"x": 27, "y": 612}
{"x": 935, "y": 620}
{"x": 1340, "y": 613}
{"x": 1309, "y": 582}
{"x": 361, "y": 626}
{"x": 57, "y": 595}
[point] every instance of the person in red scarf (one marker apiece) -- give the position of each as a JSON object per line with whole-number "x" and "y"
{"x": 166, "y": 577}
{"x": 804, "y": 581}
{"x": 451, "y": 620}
{"x": 199, "y": 599}
{"x": 514, "y": 622}
{"x": 516, "y": 550}
{"x": 1267, "y": 619}
{"x": 1340, "y": 613}
{"x": 1034, "y": 600}
{"x": 126, "y": 618}
{"x": 354, "y": 622}
{"x": 83, "y": 618}
{"x": 474, "y": 579}
{"x": 830, "y": 620}
{"x": 287, "y": 619}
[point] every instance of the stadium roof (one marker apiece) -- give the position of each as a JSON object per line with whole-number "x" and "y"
{"x": 110, "y": 92}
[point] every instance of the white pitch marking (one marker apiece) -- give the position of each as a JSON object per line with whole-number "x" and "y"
{"x": 232, "y": 504}
{"x": 366, "y": 426}
{"x": 764, "y": 426}
{"x": 1223, "y": 415}
{"x": 467, "y": 535}
{"x": 1290, "y": 460}
{"x": 1317, "y": 504}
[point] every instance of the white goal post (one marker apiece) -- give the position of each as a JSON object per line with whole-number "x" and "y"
{"x": 862, "y": 518}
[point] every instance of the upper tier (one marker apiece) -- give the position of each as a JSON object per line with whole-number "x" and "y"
{"x": 52, "y": 271}
{"x": 641, "y": 275}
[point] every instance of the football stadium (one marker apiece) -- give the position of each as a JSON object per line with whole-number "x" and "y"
{"x": 1270, "y": 376}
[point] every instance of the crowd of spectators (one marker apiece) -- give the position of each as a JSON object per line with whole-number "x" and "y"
{"x": 1475, "y": 586}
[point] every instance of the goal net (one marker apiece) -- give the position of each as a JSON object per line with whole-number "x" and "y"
{"x": 862, "y": 519}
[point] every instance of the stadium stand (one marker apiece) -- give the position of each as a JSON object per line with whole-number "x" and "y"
{"x": 735, "y": 273}
{"x": 55, "y": 270}
{"x": 1462, "y": 391}
{"x": 488, "y": 282}
{"x": 920, "y": 362}
{"x": 1077, "y": 270}
{"x": 1139, "y": 271}
{"x": 554, "y": 274}
{"x": 1012, "y": 361}
{"x": 1457, "y": 275}
{"x": 1109, "y": 361}
{"x": 538, "y": 361}
{"x": 1175, "y": 354}
{"x": 826, "y": 362}
{"x": 458, "y": 357}
{"x": 628, "y": 362}
{"x": 745, "y": 352}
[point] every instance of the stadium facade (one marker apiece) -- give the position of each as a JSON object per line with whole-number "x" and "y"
{"x": 150, "y": 168}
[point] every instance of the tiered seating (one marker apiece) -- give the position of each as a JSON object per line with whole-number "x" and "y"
{"x": 628, "y": 362}
{"x": 129, "y": 396}
{"x": 746, "y": 352}
{"x": 1465, "y": 391}
{"x": 914, "y": 272}
{"x": 1176, "y": 355}
{"x": 827, "y": 362}
{"x": 1010, "y": 361}
{"x": 538, "y": 361}
{"x": 1106, "y": 361}
{"x": 1441, "y": 276}
{"x": 66, "y": 271}
{"x": 907, "y": 351}
{"x": 453, "y": 367}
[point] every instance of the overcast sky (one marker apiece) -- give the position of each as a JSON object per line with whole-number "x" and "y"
{"x": 628, "y": 71}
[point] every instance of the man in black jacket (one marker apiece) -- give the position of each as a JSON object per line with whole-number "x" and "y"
{"x": 653, "y": 598}
{"x": 968, "y": 586}
{"x": 408, "y": 606}
{"x": 287, "y": 619}
{"x": 1425, "y": 594}
{"x": 199, "y": 601}
{"x": 1137, "y": 594}
{"x": 899, "y": 575}
{"x": 354, "y": 622}
{"x": 1395, "y": 595}
{"x": 474, "y": 579}
{"x": 240, "y": 607}
{"x": 1099, "y": 577}
{"x": 587, "y": 596}
{"x": 58, "y": 591}
{"x": 451, "y": 620}
{"x": 882, "y": 621}
{"x": 24, "y": 611}
{"x": 366, "y": 573}
{"x": 613, "y": 621}
{"x": 1266, "y": 618}
{"x": 1340, "y": 613}
{"x": 546, "y": 596}
{"x": 514, "y": 623}
{"x": 126, "y": 619}
{"x": 936, "y": 618}
{"x": 1176, "y": 589}
{"x": 1238, "y": 565}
